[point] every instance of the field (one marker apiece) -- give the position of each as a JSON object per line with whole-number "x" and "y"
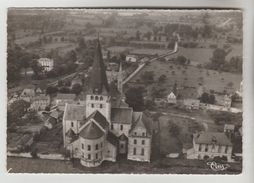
{"x": 84, "y": 21}
{"x": 190, "y": 77}
{"x": 54, "y": 45}
{"x": 27, "y": 40}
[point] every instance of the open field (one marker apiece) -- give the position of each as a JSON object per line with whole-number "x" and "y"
{"x": 54, "y": 45}
{"x": 213, "y": 81}
{"x": 27, "y": 40}
{"x": 84, "y": 21}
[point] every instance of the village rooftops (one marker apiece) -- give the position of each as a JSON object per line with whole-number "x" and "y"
{"x": 121, "y": 115}
{"x": 99, "y": 118}
{"x": 74, "y": 112}
{"x": 63, "y": 96}
{"x": 28, "y": 92}
{"x": 210, "y": 137}
{"x": 41, "y": 97}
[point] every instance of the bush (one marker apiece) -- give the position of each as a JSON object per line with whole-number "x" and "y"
{"x": 34, "y": 153}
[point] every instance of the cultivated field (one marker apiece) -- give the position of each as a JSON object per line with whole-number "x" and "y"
{"x": 56, "y": 45}
{"x": 27, "y": 40}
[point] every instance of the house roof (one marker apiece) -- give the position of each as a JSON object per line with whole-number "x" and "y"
{"x": 99, "y": 118}
{"x": 42, "y": 97}
{"x": 91, "y": 131}
{"x": 52, "y": 121}
{"x": 25, "y": 139}
{"x": 74, "y": 112}
{"x": 65, "y": 96}
{"x": 121, "y": 115}
{"x": 56, "y": 114}
{"x": 229, "y": 127}
{"x": 191, "y": 102}
{"x": 115, "y": 95}
{"x": 227, "y": 98}
{"x": 28, "y": 92}
{"x": 140, "y": 120}
{"x": 112, "y": 139}
{"x": 208, "y": 137}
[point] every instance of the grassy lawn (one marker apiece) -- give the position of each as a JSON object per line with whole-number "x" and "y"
{"x": 27, "y": 39}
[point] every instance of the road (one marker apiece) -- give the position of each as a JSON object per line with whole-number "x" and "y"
{"x": 160, "y": 56}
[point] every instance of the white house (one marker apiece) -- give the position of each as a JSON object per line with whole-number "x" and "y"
{"x": 46, "y": 63}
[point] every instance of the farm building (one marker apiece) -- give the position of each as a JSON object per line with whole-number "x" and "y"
{"x": 131, "y": 58}
{"x": 40, "y": 102}
{"x": 191, "y": 103}
{"x": 227, "y": 101}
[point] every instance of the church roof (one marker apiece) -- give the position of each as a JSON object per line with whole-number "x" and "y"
{"x": 91, "y": 131}
{"x": 121, "y": 115}
{"x": 123, "y": 137}
{"x": 115, "y": 95}
{"x": 99, "y": 118}
{"x": 112, "y": 139}
{"x": 140, "y": 120}
{"x": 70, "y": 133}
{"x": 74, "y": 112}
{"x": 99, "y": 82}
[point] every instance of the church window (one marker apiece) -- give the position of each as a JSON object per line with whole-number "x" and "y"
{"x": 96, "y": 98}
{"x": 89, "y": 156}
{"x": 101, "y": 144}
{"x": 121, "y": 127}
{"x": 143, "y": 134}
{"x": 96, "y": 156}
{"x": 82, "y": 146}
{"x": 206, "y": 148}
{"x": 91, "y": 97}
{"x": 121, "y": 146}
{"x": 135, "y": 141}
{"x": 72, "y": 124}
{"x": 96, "y": 147}
{"x": 219, "y": 150}
{"x": 112, "y": 127}
{"x": 101, "y": 98}
{"x": 134, "y": 151}
{"x": 135, "y": 133}
{"x": 82, "y": 155}
{"x": 89, "y": 148}
{"x": 142, "y": 151}
{"x": 100, "y": 105}
{"x": 143, "y": 142}
{"x": 92, "y": 105}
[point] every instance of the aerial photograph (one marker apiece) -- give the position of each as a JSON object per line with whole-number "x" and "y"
{"x": 124, "y": 91}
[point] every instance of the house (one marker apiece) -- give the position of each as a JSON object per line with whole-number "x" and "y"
{"x": 200, "y": 91}
{"x": 64, "y": 97}
{"x": 171, "y": 98}
{"x": 229, "y": 128}
{"x": 210, "y": 144}
{"x": 131, "y": 58}
{"x": 144, "y": 60}
{"x": 46, "y": 63}
{"x": 227, "y": 101}
{"x": 40, "y": 102}
{"x": 102, "y": 128}
{"x": 27, "y": 94}
{"x": 191, "y": 103}
{"x": 112, "y": 66}
{"x": 57, "y": 115}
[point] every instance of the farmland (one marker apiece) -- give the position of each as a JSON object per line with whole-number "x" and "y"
{"x": 27, "y": 40}
{"x": 190, "y": 77}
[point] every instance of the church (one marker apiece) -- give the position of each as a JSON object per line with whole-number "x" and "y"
{"x": 104, "y": 126}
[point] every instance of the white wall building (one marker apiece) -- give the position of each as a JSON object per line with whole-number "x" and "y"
{"x": 47, "y": 63}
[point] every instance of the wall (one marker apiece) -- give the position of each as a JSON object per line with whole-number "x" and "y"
{"x": 117, "y": 129}
{"x": 42, "y": 156}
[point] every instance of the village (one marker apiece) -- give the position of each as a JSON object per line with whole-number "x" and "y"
{"x": 118, "y": 91}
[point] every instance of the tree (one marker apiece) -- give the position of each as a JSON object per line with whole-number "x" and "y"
{"x": 147, "y": 77}
{"x": 35, "y": 66}
{"x": 150, "y": 105}
{"x": 134, "y": 98}
{"x": 137, "y": 35}
{"x": 76, "y": 89}
{"x": 62, "y": 39}
{"x": 12, "y": 72}
{"x": 230, "y": 84}
{"x": 108, "y": 55}
{"x": 122, "y": 56}
{"x": 81, "y": 44}
{"x": 162, "y": 78}
{"x": 174, "y": 129}
{"x": 89, "y": 25}
{"x": 181, "y": 59}
{"x": 56, "y": 39}
{"x": 211, "y": 99}
{"x": 17, "y": 110}
{"x": 205, "y": 98}
{"x": 51, "y": 89}
{"x": 24, "y": 62}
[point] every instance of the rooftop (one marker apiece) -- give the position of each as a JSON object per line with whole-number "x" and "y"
{"x": 191, "y": 102}
{"x": 140, "y": 120}
{"x": 91, "y": 131}
{"x": 74, "y": 112}
{"x": 65, "y": 96}
{"x": 208, "y": 137}
{"x": 121, "y": 115}
{"x": 99, "y": 118}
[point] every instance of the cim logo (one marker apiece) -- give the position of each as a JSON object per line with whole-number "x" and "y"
{"x": 217, "y": 166}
